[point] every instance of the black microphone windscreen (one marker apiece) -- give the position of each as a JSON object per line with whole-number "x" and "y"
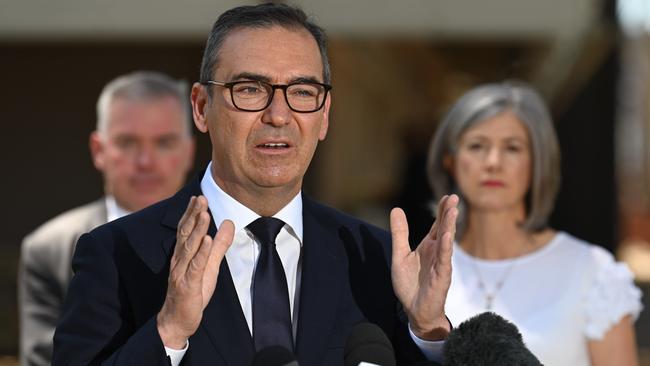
{"x": 274, "y": 356}
{"x": 368, "y": 343}
{"x": 487, "y": 339}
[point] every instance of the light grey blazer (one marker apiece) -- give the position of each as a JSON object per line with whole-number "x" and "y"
{"x": 44, "y": 274}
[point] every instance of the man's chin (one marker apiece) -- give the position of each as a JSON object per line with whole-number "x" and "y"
{"x": 277, "y": 182}
{"x": 143, "y": 200}
{"x": 277, "y": 177}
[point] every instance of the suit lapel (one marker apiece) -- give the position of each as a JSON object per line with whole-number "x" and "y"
{"x": 323, "y": 273}
{"x": 224, "y": 322}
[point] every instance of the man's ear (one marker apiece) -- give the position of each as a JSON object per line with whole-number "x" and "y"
{"x": 97, "y": 150}
{"x": 200, "y": 102}
{"x": 326, "y": 118}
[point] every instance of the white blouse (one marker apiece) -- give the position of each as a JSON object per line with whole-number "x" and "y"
{"x": 559, "y": 296}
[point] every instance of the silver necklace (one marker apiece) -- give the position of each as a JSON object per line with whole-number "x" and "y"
{"x": 490, "y": 295}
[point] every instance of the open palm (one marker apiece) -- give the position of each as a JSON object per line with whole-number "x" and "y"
{"x": 421, "y": 277}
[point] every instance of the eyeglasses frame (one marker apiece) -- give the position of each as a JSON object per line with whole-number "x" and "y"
{"x": 229, "y": 85}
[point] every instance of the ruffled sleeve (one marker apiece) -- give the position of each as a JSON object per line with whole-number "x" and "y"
{"x": 611, "y": 295}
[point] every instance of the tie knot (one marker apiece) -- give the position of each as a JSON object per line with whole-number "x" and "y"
{"x": 266, "y": 229}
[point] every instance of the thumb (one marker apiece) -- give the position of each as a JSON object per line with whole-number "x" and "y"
{"x": 399, "y": 230}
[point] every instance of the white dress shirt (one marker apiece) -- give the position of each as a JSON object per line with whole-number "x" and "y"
{"x": 113, "y": 210}
{"x": 244, "y": 251}
{"x": 242, "y": 254}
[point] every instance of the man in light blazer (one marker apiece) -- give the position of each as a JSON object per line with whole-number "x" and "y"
{"x": 181, "y": 282}
{"x": 144, "y": 149}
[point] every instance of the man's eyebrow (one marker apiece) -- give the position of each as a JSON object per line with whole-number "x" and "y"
{"x": 259, "y": 77}
{"x": 251, "y": 76}
{"x": 305, "y": 79}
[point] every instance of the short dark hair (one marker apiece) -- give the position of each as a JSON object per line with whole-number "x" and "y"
{"x": 260, "y": 16}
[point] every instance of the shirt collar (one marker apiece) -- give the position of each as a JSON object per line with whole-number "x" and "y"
{"x": 113, "y": 210}
{"x": 223, "y": 206}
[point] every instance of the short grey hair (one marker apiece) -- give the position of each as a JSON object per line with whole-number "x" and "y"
{"x": 143, "y": 86}
{"x": 486, "y": 101}
{"x": 260, "y": 16}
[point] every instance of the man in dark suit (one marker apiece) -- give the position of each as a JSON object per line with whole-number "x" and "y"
{"x": 143, "y": 147}
{"x": 153, "y": 288}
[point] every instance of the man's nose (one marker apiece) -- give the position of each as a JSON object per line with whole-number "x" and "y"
{"x": 145, "y": 157}
{"x": 278, "y": 112}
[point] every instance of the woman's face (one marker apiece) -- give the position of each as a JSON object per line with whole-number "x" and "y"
{"x": 493, "y": 163}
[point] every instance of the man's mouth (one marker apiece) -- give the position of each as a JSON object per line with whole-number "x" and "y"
{"x": 274, "y": 145}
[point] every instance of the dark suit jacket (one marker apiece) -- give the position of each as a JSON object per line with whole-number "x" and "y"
{"x": 120, "y": 282}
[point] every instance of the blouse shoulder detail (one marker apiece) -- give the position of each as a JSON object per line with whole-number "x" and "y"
{"x": 611, "y": 294}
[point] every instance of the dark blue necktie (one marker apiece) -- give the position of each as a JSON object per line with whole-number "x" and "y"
{"x": 271, "y": 314}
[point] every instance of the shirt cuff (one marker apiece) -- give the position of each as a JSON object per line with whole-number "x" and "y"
{"x": 176, "y": 355}
{"x": 432, "y": 350}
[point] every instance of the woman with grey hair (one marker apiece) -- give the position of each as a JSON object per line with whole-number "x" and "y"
{"x": 573, "y": 303}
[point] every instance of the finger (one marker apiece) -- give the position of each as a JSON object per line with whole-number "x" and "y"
{"x": 444, "y": 223}
{"x": 452, "y": 201}
{"x": 189, "y": 249}
{"x": 450, "y": 216}
{"x": 188, "y": 222}
{"x": 433, "y": 232}
{"x": 186, "y": 216}
{"x": 399, "y": 230}
{"x": 196, "y": 267}
{"x": 222, "y": 241}
{"x": 180, "y": 237}
{"x": 200, "y": 205}
{"x": 447, "y": 235}
{"x": 185, "y": 227}
{"x": 442, "y": 267}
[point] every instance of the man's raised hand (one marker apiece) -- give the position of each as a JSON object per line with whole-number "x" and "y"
{"x": 421, "y": 278}
{"x": 192, "y": 274}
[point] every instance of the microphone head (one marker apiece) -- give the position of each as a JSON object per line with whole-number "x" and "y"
{"x": 274, "y": 356}
{"x": 487, "y": 339}
{"x": 368, "y": 343}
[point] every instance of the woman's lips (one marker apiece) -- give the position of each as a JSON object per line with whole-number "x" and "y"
{"x": 492, "y": 183}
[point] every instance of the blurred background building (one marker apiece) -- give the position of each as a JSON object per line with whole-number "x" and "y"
{"x": 396, "y": 66}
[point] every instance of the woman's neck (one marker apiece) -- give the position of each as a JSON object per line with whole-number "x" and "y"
{"x": 499, "y": 235}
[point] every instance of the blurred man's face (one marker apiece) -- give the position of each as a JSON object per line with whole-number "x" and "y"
{"x": 145, "y": 152}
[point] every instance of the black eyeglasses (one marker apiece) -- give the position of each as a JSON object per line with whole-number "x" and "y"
{"x": 254, "y": 96}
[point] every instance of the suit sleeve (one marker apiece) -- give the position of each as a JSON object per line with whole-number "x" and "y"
{"x": 39, "y": 304}
{"x": 96, "y": 326}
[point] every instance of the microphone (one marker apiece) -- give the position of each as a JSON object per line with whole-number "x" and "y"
{"x": 487, "y": 339}
{"x": 368, "y": 345}
{"x": 274, "y": 356}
